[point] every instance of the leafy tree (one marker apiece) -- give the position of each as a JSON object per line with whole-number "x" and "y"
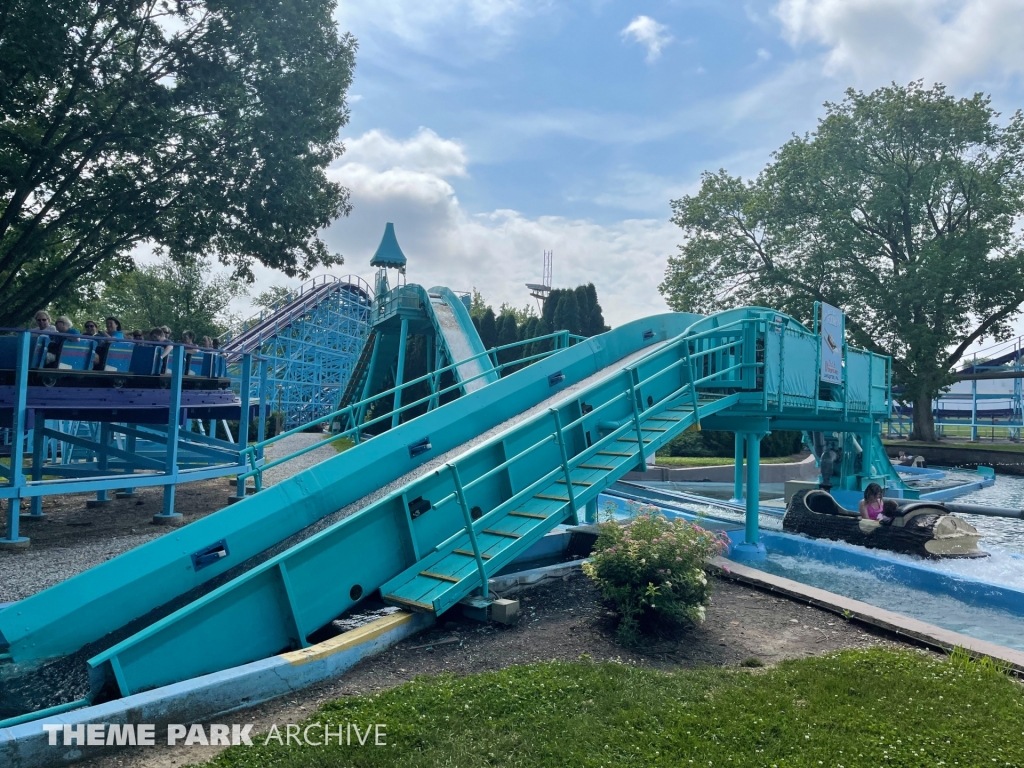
{"x": 477, "y": 305}
{"x": 201, "y": 127}
{"x": 274, "y": 296}
{"x": 522, "y": 314}
{"x": 171, "y": 293}
{"x": 903, "y": 208}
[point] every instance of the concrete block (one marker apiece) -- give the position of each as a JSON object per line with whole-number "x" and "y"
{"x": 505, "y": 611}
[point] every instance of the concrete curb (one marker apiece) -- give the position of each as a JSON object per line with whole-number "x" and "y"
{"x": 896, "y": 624}
{"x": 209, "y": 696}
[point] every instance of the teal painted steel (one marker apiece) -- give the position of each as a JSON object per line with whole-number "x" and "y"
{"x": 83, "y": 609}
{"x": 435, "y": 540}
{"x": 513, "y": 476}
{"x": 389, "y": 252}
{"x": 436, "y": 313}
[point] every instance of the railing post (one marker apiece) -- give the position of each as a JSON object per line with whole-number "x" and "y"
{"x": 693, "y": 378}
{"x": 18, "y": 422}
{"x": 243, "y": 421}
{"x": 468, "y": 517}
{"x": 560, "y": 439}
{"x": 167, "y": 515}
{"x": 636, "y": 422}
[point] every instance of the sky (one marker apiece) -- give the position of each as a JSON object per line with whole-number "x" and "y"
{"x": 489, "y": 131}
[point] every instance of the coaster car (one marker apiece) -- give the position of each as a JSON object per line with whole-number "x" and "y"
{"x": 925, "y": 529}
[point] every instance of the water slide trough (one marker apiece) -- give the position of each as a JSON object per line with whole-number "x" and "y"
{"x": 424, "y": 518}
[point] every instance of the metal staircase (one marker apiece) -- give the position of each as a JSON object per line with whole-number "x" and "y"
{"x": 467, "y": 560}
{"x": 428, "y": 554}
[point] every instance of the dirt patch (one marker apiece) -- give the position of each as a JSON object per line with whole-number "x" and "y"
{"x": 69, "y": 523}
{"x": 566, "y": 621}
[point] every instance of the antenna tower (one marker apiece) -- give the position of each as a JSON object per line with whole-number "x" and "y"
{"x": 541, "y": 291}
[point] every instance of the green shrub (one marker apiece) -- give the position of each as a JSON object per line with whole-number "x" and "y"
{"x": 711, "y": 442}
{"x": 652, "y": 570}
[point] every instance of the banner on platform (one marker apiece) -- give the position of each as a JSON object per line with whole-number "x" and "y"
{"x": 832, "y": 328}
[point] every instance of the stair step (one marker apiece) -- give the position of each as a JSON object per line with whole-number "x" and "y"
{"x": 439, "y": 577}
{"x": 576, "y": 482}
{"x": 655, "y": 429}
{"x": 613, "y": 453}
{"x": 415, "y": 605}
{"x": 469, "y": 553}
{"x": 632, "y": 440}
{"x": 661, "y": 418}
{"x": 549, "y": 497}
{"x": 595, "y": 466}
{"x": 534, "y": 515}
{"x": 507, "y": 534}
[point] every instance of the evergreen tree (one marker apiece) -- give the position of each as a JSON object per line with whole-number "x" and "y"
{"x": 508, "y": 333}
{"x": 567, "y": 313}
{"x": 488, "y": 329}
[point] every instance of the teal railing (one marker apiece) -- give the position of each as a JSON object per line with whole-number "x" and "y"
{"x": 354, "y": 412}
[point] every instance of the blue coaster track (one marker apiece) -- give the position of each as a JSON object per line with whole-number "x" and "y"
{"x": 311, "y": 341}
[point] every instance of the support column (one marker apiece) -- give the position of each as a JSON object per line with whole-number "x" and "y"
{"x": 38, "y": 459}
{"x": 737, "y": 473}
{"x": 400, "y": 372}
{"x": 103, "y": 465}
{"x": 430, "y": 368}
{"x": 590, "y": 513}
{"x": 167, "y": 515}
{"x": 19, "y": 415}
{"x": 244, "y": 393}
{"x": 369, "y": 382}
{"x": 751, "y": 548}
{"x": 129, "y": 445}
{"x": 974, "y": 410}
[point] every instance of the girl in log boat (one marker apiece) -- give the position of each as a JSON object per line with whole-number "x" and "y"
{"x": 922, "y": 528}
{"x": 871, "y": 506}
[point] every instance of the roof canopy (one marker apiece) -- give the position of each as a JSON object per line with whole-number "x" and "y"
{"x": 389, "y": 253}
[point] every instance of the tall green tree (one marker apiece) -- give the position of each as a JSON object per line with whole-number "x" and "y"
{"x": 179, "y": 295}
{"x": 903, "y": 208}
{"x": 567, "y": 313}
{"x": 203, "y": 127}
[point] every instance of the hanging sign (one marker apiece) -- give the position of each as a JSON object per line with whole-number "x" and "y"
{"x": 832, "y": 326}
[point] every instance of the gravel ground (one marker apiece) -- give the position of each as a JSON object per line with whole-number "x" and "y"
{"x": 305, "y": 461}
{"x": 72, "y": 538}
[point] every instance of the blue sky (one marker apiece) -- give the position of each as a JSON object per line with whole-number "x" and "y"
{"x": 491, "y": 130}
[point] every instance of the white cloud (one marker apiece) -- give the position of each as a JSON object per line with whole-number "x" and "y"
{"x": 648, "y": 33}
{"x": 405, "y": 182}
{"x": 881, "y": 40}
{"x": 425, "y": 152}
{"x": 763, "y": 54}
{"x": 477, "y": 27}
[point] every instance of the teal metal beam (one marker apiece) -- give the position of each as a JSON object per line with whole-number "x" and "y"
{"x": 403, "y": 339}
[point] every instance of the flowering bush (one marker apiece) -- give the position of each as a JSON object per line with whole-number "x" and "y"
{"x": 653, "y": 569}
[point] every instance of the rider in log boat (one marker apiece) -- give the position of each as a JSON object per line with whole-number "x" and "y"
{"x": 923, "y": 528}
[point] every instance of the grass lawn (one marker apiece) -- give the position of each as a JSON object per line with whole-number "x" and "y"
{"x": 856, "y": 708}
{"x": 341, "y": 444}
{"x": 718, "y": 461}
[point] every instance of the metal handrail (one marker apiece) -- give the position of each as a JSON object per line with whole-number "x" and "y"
{"x": 253, "y": 450}
{"x": 587, "y": 453}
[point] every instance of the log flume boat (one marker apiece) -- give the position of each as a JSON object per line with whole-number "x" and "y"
{"x": 924, "y": 529}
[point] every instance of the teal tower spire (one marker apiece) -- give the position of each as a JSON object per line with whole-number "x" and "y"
{"x": 389, "y": 253}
